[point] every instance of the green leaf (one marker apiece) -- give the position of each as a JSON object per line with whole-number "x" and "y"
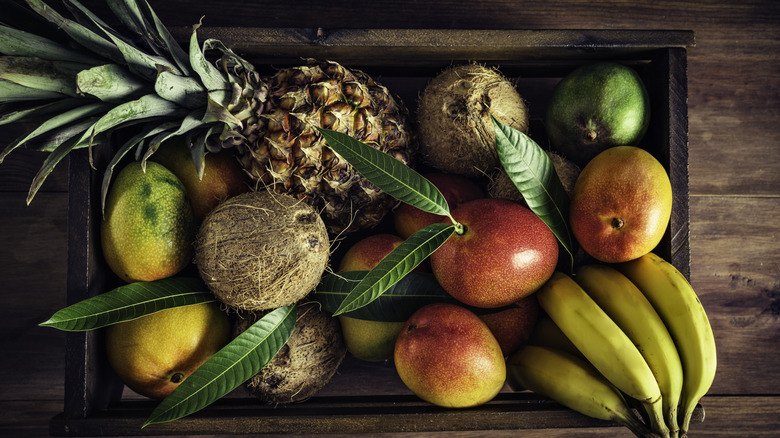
{"x": 56, "y": 155}
{"x": 183, "y": 90}
{"x": 110, "y": 82}
{"x": 146, "y": 107}
{"x": 230, "y": 367}
{"x": 390, "y": 175}
{"x": 50, "y": 141}
{"x": 532, "y": 172}
{"x": 132, "y": 112}
{"x": 10, "y": 92}
{"x": 217, "y": 112}
{"x": 402, "y": 260}
{"x": 35, "y": 112}
{"x": 138, "y": 61}
{"x": 150, "y": 131}
{"x": 20, "y": 43}
{"x": 39, "y": 74}
{"x": 68, "y": 119}
{"x": 189, "y": 123}
{"x": 130, "y": 302}
{"x": 198, "y": 152}
{"x": 65, "y": 119}
{"x": 177, "y": 53}
{"x": 209, "y": 75}
{"x": 397, "y": 303}
{"x": 78, "y": 33}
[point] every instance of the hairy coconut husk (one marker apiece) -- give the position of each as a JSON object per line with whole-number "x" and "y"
{"x": 501, "y": 186}
{"x": 262, "y": 250}
{"x": 456, "y": 132}
{"x": 305, "y": 364}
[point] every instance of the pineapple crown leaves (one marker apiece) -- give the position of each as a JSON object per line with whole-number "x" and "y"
{"x": 108, "y": 80}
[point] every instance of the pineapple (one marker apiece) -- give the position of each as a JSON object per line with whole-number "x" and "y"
{"x": 76, "y": 95}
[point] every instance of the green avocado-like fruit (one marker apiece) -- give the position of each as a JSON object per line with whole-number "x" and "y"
{"x": 595, "y": 107}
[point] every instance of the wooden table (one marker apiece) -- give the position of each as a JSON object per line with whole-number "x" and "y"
{"x": 734, "y": 110}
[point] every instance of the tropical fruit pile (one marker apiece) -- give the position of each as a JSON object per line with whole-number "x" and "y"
{"x": 474, "y": 256}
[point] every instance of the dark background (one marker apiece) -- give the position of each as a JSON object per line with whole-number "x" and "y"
{"x": 734, "y": 110}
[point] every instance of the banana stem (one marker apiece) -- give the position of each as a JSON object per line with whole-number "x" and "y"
{"x": 638, "y": 407}
{"x": 686, "y": 414}
{"x": 637, "y": 427}
{"x": 670, "y": 412}
{"x": 655, "y": 414}
{"x": 674, "y": 430}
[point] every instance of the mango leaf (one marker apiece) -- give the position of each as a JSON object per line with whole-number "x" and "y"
{"x": 390, "y": 175}
{"x": 397, "y": 303}
{"x": 231, "y": 366}
{"x": 130, "y": 302}
{"x": 402, "y": 260}
{"x": 532, "y": 172}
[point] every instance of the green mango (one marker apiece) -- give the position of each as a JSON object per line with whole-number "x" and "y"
{"x": 595, "y": 107}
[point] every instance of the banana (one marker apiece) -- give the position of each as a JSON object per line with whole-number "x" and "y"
{"x": 679, "y": 307}
{"x": 572, "y": 382}
{"x": 634, "y": 314}
{"x": 547, "y": 334}
{"x": 599, "y": 339}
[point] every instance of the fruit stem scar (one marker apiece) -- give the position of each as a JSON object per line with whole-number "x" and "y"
{"x": 177, "y": 377}
{"x": 617, "y": 223}
{"x": 590, "y": 135}
{"x": 460, "y": 229}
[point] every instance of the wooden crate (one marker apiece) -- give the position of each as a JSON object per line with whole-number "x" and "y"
{"x": 365, "y": 397}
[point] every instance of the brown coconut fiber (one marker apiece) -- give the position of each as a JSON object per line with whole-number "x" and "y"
{"x": 262, "y": 250}
{"x": 454, "y": 117}
{"x": 305, "y": 364}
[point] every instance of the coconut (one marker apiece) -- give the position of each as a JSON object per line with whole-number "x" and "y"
{"x": 305, "y": 364}
{"x": 501, "y": 186}
{"x": 262, "y": 250}
{"x": 455, "y": 128}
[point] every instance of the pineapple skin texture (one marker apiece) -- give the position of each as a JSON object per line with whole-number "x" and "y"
{"x": 283, "y": 150}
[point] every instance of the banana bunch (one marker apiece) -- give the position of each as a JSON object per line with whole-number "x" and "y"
{"x": 638, "y": 337}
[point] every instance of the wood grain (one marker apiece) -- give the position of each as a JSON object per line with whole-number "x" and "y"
{"x": 733, "y": 109}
